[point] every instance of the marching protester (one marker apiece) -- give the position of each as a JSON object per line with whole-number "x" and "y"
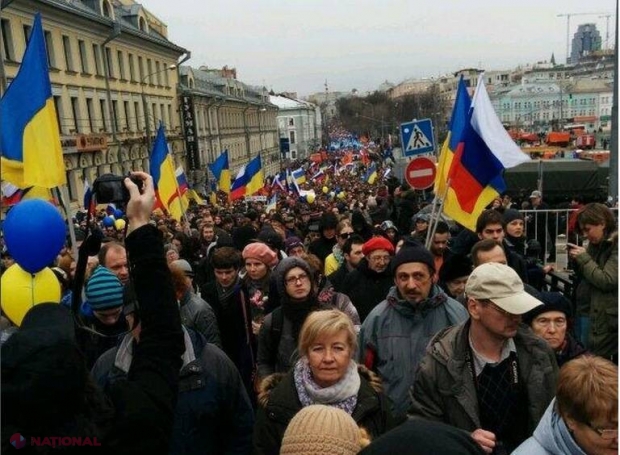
{"x": 326, "y": 374}
{"x": 395, "y": 334}
{"x": 507, "y": 375}
{"x": 46, "y": 387}
{"x": 371, "y": 280}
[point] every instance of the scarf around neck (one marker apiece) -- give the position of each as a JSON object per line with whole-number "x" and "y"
{"x": 342, "y": 395}
{"x": 223, "y": 293}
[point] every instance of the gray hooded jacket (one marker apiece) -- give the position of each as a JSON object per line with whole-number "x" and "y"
{"x": 394, "y": 337}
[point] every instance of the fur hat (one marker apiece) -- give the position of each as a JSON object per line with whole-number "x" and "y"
{"x": 261, "y": 252}
{"x": 377, "y": 243}
{"x": 284, "y": 266}
{"x": 104, "y": 290}
{"x": 413, "y": 254}
{"x": 320, "y": 429}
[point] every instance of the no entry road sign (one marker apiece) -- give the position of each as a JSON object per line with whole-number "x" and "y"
{"x": 420, "y": 173}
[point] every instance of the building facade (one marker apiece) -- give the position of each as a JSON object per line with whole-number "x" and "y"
{"x": 299, "y": 127}
{"x": 230, "y": 115}
{"x": 114, "y": 79}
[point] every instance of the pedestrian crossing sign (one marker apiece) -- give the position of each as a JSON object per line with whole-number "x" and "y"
{"x": 417, "y": 137}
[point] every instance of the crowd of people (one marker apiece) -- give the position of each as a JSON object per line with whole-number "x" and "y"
{"x": 333, "y": 325}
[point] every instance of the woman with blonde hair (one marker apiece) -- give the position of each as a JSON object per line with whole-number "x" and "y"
{"x": 325, "y": 374}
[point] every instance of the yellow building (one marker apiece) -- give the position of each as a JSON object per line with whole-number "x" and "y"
{"x": 230, "y": 115}
{"x": 114, "y": 79}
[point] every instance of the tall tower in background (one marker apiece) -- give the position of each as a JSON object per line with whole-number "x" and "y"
{"x": 586, "y": 39}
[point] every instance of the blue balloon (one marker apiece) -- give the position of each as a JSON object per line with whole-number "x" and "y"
{"x": 35, "y": 233}
{"x": 118, "y": 214}
{"x": 108, "y": 221}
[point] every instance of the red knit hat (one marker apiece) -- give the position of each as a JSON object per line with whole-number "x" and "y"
{"x": 260, "y": 252}
{"x": 377, "y": 243}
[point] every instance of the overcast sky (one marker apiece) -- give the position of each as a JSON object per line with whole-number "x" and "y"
{"x": 296, "y": 45}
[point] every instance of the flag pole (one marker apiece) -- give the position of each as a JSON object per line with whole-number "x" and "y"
{"x": 430, "y": 221}
{"x": 431, "y": 232}
{"x": 63, "y": 196}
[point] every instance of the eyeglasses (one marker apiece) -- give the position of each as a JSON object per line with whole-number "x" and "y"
{"x": 345, "y": 235}
{"x": 294, "y": 279}
{"x": 604, "y": 433}
{"x": 379, "y": 258}
{"x": 559, "y": 323}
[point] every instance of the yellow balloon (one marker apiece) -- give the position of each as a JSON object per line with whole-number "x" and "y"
{"x": 325, "y": 190}
{"x": 22, "y": 290}
{"x": 341, "y": 195}
{"x": 310, "y": 197}
{"x": 119, "y": 224}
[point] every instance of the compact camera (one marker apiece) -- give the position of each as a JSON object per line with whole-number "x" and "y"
{"x": 110, "y": 188}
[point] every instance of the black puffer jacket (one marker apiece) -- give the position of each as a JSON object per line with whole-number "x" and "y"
{"x": 367, "y": 288}
{"x": 278, "y": 404}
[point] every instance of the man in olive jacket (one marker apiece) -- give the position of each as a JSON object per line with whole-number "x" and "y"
{"x": 490, "y": 375}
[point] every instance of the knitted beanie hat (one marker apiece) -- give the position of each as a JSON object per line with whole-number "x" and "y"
{"x": 261, "y": 252}
{"x": 104, "y": 290}
{"x": 511, "y": 215}
{"x": 413, "y": 254}
{"x": 320, "y": 429}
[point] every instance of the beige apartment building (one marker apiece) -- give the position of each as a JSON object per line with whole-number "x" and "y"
{"x": 114, "y": 79}
{"x": 230, "y": 115}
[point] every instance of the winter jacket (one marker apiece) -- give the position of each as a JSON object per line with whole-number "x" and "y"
{"x": 337, "y": 278}
{"x": 93, "y": 345}
{"x": 322, "y": 247}
{"x": 444, "y": 387}
{"x": 198, "y": 315}
{"x": 551, "y": 437}
{"x": 235, "y": 324}
{"x": 279, "y": 402}
{"x": 394, "y": 337}
{"x": 570, "y": 350}
{"x": 213, "y": 413}
{"x": 137, "y": 416}
{"x": 277, "y": 344}
{"x": 597, "y": 295}
{"x": 367, "y": 288}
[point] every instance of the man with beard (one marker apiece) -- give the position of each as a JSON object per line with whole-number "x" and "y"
{"x": 439, "y": 245}
{"x": 395, "y": 334}
{"x": 371, "y": 281}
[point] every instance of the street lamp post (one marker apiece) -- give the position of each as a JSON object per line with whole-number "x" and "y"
{"x": 116, "y": 31}
{"x": 145, "y": 105}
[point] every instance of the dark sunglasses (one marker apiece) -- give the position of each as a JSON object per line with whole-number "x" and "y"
{"x": 346, "y": 235}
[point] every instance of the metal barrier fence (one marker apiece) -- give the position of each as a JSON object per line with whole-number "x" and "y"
{"x": 553, "y": 229}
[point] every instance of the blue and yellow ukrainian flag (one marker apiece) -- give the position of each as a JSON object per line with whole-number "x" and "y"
{"x": 255, "y": 176}
{"x": 30, "y": 148}
{"x": 164, "y": 178}
{"x": 221, "y": 171}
